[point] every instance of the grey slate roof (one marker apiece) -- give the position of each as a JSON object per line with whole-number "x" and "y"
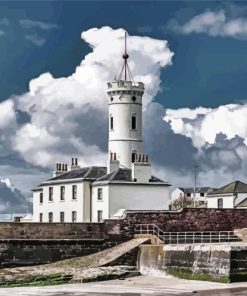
{"x": 198, "y": 189}
{"x": 89, "y": 173}
{"x": 242, "y": 204}
{"x": 234, "y": 187}
{"x": 123, "y": 175}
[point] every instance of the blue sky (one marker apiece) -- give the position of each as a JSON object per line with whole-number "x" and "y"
{"x": 194, "y": 52}
{"x": 207, "y": 71}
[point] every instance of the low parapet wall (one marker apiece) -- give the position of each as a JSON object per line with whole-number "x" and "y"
{"x": 123, "y": 229}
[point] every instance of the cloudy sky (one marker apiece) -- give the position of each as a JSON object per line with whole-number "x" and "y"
{"x": 56, "y": 58}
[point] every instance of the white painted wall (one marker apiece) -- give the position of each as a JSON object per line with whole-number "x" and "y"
{"x": 81, "y": 205}
{"x": 100, "y": 205}
{"x": 228, "y": 201}
{"x": 122, "y": 139}
{"x": 130, "y": 197}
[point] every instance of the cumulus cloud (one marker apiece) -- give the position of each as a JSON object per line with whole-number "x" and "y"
{"x": 67, "y": 116}
{"x": 213, "y": 23}
{"x": 205, "y": 124}
{"x": 62, "y": 117}
{"x": 30, "y": 24}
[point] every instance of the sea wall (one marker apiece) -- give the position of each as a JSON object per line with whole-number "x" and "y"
{"x": 215, "y": 262}
{"x": 32, "y": 252}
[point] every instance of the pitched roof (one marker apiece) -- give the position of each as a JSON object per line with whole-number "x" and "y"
{"x": 88, "y": 173}
{"x": 123, "y": 175}
{"x": 198, "y": 189}
{"x": 242, "y": 204}
{"x": 234, "y": 187}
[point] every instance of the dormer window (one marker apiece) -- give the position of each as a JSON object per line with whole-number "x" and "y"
{"x": 133, "y": 121}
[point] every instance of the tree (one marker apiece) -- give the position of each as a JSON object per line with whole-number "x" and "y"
{"x": 182, "y": 202}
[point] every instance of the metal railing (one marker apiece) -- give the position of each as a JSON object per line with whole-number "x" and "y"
{"x": 187, "y": 237}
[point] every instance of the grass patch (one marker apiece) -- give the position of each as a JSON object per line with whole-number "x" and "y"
{"x": 39, "y": 280}
{"x": 199, "y": 276}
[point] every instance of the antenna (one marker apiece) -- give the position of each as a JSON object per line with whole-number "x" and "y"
{"x": 125, "y": 66}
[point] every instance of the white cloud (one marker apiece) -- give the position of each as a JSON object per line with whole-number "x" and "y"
{"x": 213, "y": 23}
{"x": 2, "y": 33}
{"x": 35, "y": 39}
{"x": 205, "y": 124}
{"x": 7, "y": 115}
{"x": 30, "y": 24}
{"x": 69, "y": 114}
{"x": 4, "y": 21}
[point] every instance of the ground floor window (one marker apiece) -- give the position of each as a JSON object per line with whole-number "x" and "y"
{"x": 41, "y": 217}
{"x": 74, "y": 216}
{"x": 220, "y": 203}
{"x": 61, "y": 217}
{"x": 50, "y": 217}
{"x": 100, "y": 216}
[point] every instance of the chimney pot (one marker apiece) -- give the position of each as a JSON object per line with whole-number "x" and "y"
{"x": 76, "y": 161}
{"x": 72, "y": 161}
{"x": 143, "y": 158}
{"x": 66, "y": 167}
{"x": 115, "y": 156}
{"x": 139, "y": 158}
{"x": 146, "y": 158}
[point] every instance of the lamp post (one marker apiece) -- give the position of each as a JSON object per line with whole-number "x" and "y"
{"x": 195, "y": 167}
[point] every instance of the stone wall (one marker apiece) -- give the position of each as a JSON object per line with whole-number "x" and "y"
{"x": 31, "y": 252}
{"x": 51, "y": 230}
{"x": 215, "y": 262}
{"x": 185, "y": 220}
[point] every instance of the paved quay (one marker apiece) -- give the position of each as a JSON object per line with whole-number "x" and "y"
{"x": 143, "y": 285}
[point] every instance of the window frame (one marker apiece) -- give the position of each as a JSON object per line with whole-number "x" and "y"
{"x": 62, "y": 193}
{"x": 74, "y": 216}
{"x": 220, "y": 203}
{"x": 41, "y": 198}
{"x": 111, "y": 122}
{"x": 50, "y": 217}
{"x": 50, "y": 198}
{"x": 100, "y": 194}
{"x": 133, "y": 122}
{"x": 74, "y": 192}
{"x": 62, "y": 216}
{"x": 100, "y": 216}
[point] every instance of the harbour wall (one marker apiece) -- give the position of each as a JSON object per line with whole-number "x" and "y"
{"x": 215, "y": 262}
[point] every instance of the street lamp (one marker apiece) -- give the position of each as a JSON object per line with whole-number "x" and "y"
{"x": 195, "y": 167}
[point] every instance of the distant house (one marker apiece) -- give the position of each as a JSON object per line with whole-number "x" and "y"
{"x": 200, "y": 194}
{"x": 233, "y": 195}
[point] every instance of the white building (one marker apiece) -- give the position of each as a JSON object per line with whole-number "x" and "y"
{"x": 233, "y": 195}
{"x": 91, "y": 194}
{"x": 199, "y": 196}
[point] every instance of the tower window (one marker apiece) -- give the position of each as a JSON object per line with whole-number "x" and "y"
{"x": 133, "y": 121}
{"x": 133, "y": 156}
{"x": 111, "y": 99}
{"x": 133, "y": 98}
{"x": 111, "y": 122}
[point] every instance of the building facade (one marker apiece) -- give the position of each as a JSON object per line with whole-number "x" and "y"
{"x": 198, "y": 195}
{"x": 230, "y": 196}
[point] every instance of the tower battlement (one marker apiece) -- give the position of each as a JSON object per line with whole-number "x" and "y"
{"x": 123, "y": 85}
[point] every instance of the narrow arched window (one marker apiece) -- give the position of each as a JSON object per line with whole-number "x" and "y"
{"x": 133, "y": 121}
{"x": 111, "y": 122}
{"x": 133, "y": 156}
